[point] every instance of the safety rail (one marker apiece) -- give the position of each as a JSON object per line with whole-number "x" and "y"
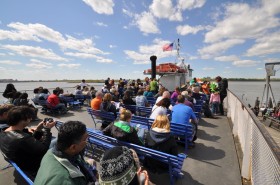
{"x": 260, "y": 158}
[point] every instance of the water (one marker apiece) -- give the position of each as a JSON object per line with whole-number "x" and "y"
{"x": 248, "y": 90}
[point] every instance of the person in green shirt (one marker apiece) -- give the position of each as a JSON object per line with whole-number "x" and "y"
{"x": 154, "y": 86}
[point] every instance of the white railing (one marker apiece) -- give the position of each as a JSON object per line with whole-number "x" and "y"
{"x": 260, "y": 160}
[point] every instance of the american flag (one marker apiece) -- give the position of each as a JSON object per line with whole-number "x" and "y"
{"x": 167, "y": 47}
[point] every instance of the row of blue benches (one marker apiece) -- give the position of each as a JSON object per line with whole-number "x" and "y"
{"x": 182, "y": 130}
{"x": 98, "y": 140}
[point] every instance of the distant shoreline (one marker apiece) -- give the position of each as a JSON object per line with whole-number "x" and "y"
{"x": 102, "y": 81}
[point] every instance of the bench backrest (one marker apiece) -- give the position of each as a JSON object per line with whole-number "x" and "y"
{"x": 175, "y": 163}
{"x": 108, "y": 116}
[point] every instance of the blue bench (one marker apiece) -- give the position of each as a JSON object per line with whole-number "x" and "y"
{"x": 46, "y": 108}
{"x": 17, "y": 168}
{"x": 98, "y": 140}
{"x": 99, "y": 116}
{"x": 177, "y": 129}
{"x": 139, "y": 110}
{"x": 72, "y": 102}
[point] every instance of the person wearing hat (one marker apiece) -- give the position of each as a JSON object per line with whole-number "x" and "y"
{"x": 120, "y": 165}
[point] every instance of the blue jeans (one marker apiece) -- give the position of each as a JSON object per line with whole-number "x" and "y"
{"x": 215, "y": 107}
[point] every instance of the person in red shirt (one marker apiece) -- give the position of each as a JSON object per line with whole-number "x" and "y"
{"x": 54, "y": 102}
{"x": 96, "y": 102}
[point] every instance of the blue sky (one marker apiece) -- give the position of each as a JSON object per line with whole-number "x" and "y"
{"x": 96, "y": 39}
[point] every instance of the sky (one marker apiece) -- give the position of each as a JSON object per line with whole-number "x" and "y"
{"x": 96, "y": 39}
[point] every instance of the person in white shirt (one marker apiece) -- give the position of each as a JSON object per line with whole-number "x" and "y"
{"x": 83, "y": 84}
{"x": 160, "y": 108}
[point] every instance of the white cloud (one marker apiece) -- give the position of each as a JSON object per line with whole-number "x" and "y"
{"x": 38, "y": 64}
{"x": 40, "y": 31}
{"x": 10, "y": 62}
{"x": 69, "y": 65}
{"x": 31, "y": 51}
{"x": 259, "y": 68}
{"x": 219, "y": 47}
{"x": 226, "y": 58}
{"x": 242, "y": 22}
{"x": 186, "y": 29}
{"x": 271, "y": 6}
{"x": 127, "y": 12}
{"x": 2, "y": 68}
{"x": 146, "y": 22}
{"x": 245, "y": 63}
{"x": 208, "y": 68}
{"x": 190, "y": 4}
{"x": 102, "y": 24}
{"x": 2, "y": 54}
{"x": 265, "y": 45}
{"x": 81, "y": 55}
{"x": 269, "y": 60}
{"x": 142, "y": 56}
{"x": 164, "y": 9}
{"x": 101, "y": 7}
{"x": 104, "y": 60}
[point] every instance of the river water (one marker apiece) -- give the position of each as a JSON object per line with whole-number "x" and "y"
{"x": 243, "y": 89}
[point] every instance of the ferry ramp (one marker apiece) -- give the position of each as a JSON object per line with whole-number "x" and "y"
{"x": 213, "y": 160}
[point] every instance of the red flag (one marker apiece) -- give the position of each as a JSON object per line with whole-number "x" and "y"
{"x": 167, "y": 47}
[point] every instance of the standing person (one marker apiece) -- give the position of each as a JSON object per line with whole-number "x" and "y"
{"x": 64, "y": 163}
{"x": 127, "y": 100}
{"x": 154, "y": 86}
{"x": 215, "y": 102}
{"x": 223, "y": 85}
{"x": 83, "y": 84}
{"x": 10, "y": 92}
{"x": 159, "y": 138}
{"x": 24, "y": 146}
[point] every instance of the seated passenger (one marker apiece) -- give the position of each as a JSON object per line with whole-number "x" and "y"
{"x": 175, "y": 94}
{"x": 159, "y": 138}
{"x": 147, "y": 92}
{"x": 107, "y": 106}
{"x": 96, "y": 102}
{"x": 195, "y": 94}
{"x": 54, "y": 102}
{"x": 4, "y": 116}
{"x": 44, "y": 94}
{"x": 122, "y": 130}
{"x": 25, "y": 147}
{"x": 120, "y": 165}
{"x": 160, "y": 108}
{"x": 187, "y": 102}
{"x": 115, "y": 95}
{"x": 141, "y": 100}
{"x": 127, "y": 100}
{"x": 182, "y": 113}
{"x": 23, "y": 101}
{"x": 10, "y": 92}
{"x": 165, "y": 94}
{"x": 64, "y": 163}
{"x": 78, "y": 91}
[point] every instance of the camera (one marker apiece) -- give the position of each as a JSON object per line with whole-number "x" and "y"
{"x": 48, "y": 120}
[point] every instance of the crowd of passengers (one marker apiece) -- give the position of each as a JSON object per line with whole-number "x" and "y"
{"x": 61, "y": 161}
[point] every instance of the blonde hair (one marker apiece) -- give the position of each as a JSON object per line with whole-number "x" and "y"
{"x": 107, "y": 97}
{"x": 161, "y": 121}
{"x": 125, "y": 114}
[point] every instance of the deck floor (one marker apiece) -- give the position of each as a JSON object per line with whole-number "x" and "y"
{"x": 213, "y": 161}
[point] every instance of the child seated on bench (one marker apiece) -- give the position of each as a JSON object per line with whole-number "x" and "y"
{"x": 159, "y": 138}
{"x": 122, "y": 130}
